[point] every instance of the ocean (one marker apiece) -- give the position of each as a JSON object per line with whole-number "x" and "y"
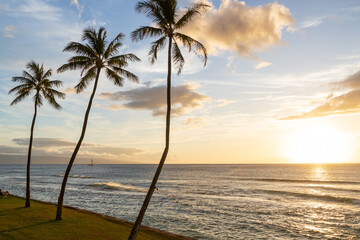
{"x": 285, "y": 201}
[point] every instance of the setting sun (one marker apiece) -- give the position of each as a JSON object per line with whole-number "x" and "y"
{"x": 318, "y": 144}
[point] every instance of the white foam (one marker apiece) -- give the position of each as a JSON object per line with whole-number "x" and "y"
{"x": 114, "y": 185}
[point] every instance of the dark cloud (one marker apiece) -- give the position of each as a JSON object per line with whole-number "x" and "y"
{"x": 184, "y": 99}
{"x": 348, "y": 102}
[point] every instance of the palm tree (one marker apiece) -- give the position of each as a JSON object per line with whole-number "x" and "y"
{"x": 37, "y": 80}
{"x": 166, "y": 23}
{"x": 91, "y": 58}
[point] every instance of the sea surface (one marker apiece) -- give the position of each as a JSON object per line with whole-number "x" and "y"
{"x": 211, "y": 201}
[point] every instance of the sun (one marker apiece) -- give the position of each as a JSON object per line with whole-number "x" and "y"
{"x": 318, "y": 144}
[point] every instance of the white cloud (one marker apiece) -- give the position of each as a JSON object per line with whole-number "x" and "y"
{"x": 310, "y": 23}
{"x": 79, "y": 7}
{"x": 38, "y": 9}
{"x": 223, "y": 102}
{"x": 262, "y": 65}
{"x": 9, "y": 30}
{"x": 240, "y": 28}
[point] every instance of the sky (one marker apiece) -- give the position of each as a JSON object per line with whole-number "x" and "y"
{"x": 282, "y": 85}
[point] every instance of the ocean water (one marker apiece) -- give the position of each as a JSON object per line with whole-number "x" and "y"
{"x": 211, "y": 201}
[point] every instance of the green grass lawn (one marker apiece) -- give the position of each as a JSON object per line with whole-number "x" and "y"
{"x": 37, "y": 222}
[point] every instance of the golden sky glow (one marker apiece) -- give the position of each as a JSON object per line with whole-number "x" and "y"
{"x": 318, "y": 144}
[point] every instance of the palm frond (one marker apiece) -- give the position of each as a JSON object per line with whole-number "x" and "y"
{"x": 77, "y": 62}
{"x": 122, "y": 60}
{"x": 50, "y": 97}
{"x": 24, "y": 80}
{"x": 38, "y": 99}
{"x": 177, "y": 57}
{"x": 56, "y": 83}
{"x": 156, "y": 46}
{"x": 89, "y": 35}
{"x": 144, "y": 32}
{"x": 100, "y": 41}
{"x": 190, "y": 44}
{"x": 47, "y": 74}
{"x": 190, "y": 14}
{"x": 112, "y": 75}
{"x": 127, "y": 74}
{"x": 152, "y": 9}
{"x": 21, "y": 88}
{"x": 168, "y": 10}
{"x": 33, "y": 67}
{"x": 85, "y": 80}
{"x": 81, "y": 49}
{"x": 20, "y": 97}
{"x": 114, "y": 45}
{"x": 53, "y": 103}
{"x": 56, "y": 93}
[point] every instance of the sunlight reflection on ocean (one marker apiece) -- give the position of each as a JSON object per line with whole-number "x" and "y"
{"x": 212, "y": 201}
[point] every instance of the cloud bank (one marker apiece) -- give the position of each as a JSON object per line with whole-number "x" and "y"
{"x": 240, "y": 28}
{"x": 343, "y": 103}
{"x": 184, "y": 99}
{"x": 61, "y": 148}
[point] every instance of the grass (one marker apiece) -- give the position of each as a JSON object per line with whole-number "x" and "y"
{"x": 37, "y": 222}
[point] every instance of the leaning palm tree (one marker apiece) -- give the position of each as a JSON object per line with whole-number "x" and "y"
{"x": 36, "y": 80}
{"x": 91, "y": 58}
{"x": 166, "y": 25}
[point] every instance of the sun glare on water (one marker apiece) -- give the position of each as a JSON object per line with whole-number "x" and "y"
{"x": 318, "y": 144}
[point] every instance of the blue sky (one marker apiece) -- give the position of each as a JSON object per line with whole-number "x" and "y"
{"x": 270, "y": 75}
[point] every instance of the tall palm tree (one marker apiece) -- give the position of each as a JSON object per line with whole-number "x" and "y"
{"x": 36, "y": 80}
{"x": 166, "y": 25}
{"x": 91, "y": 58}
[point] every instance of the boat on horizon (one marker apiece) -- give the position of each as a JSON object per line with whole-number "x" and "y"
{"x": 91, "y": 163}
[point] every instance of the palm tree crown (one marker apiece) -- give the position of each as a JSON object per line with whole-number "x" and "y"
{"x": 37, "y": 79}
{"x": 94, "y": 56}
{"x": 164, "y": 14}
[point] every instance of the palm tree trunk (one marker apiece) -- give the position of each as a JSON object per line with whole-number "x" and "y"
{"x": 150, "y": 192}
{"x": 27, "y": 202}
{"x": 72, "y": 159}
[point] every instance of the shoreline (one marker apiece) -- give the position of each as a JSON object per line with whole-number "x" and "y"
{"x": 113, "y": 219}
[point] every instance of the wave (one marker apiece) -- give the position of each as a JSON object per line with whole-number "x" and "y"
{"x": 81, "y": 176}
{"x": 329, "y": 198}
{"x": 334, "y": 188}
{"x": 297, "y": 181}
{"x": 74, "y": 176}
{"x": 118, "y": 186}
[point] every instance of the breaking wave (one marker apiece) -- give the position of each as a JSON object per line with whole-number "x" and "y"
{"x": 297, "y": 181}
{"x": 118, "y": 186}
{"x": 328, "y": 198}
